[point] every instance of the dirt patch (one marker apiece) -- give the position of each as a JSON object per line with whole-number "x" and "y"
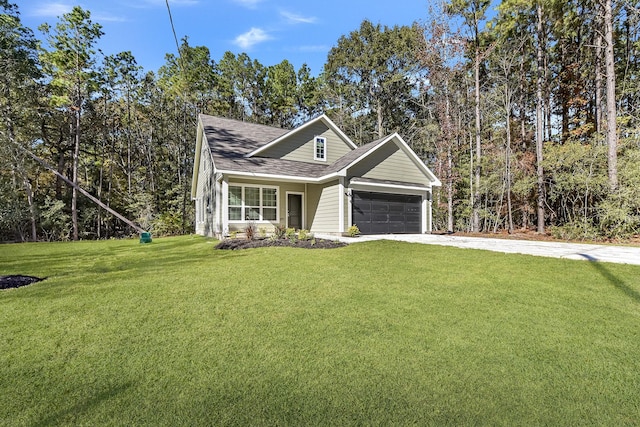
{"x": 16, "y": 281}
{"x": 233, "y": 244}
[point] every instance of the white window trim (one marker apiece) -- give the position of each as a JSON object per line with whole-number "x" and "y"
{"x": 315, "y": 152}
{"x": 244, "y": 206}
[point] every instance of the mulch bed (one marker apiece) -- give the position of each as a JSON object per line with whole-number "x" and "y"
{"x": 233, "y": 244}
{"x": 16, "y": 281}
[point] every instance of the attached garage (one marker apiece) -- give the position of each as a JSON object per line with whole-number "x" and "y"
{"x": 383, "y": 213}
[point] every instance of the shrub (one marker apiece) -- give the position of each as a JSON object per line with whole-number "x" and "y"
{"x": 279, "y": 231}
{"x": 305, "y": 235}
{"x": 353, "y": 231}
{"x": 250, "y": 231}
{"x": 575, "y": 230}
{"x": 291, "y": 235}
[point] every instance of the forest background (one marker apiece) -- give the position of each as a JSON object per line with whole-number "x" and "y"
{"x": 530, "y": 119}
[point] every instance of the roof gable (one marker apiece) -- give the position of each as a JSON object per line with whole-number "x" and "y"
{"x": 299, "y": 137}
{"x": 400, "y": 161}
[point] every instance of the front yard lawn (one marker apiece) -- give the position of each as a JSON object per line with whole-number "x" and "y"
{"x": 375, "y": 333}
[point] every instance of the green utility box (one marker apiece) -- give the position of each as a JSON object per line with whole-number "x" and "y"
{"x": 145, "y": 237}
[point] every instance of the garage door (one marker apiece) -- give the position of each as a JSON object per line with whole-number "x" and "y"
{"x": 380, "y": 213}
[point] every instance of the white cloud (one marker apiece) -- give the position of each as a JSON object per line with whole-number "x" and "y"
{"x": 251, "y": 4}
{"x": 251, "y": 38}
{"x": 292, "y": 18}
{"x": 106, "y": 17}
{"x": 52, "y": 10}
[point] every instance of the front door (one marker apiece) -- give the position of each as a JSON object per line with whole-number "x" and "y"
{"x": 294, "y": 211}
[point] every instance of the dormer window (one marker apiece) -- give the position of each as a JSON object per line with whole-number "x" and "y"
{"x": 320, "y": 149}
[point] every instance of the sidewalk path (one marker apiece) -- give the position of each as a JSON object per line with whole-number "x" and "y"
{"x": 588, "y": 252}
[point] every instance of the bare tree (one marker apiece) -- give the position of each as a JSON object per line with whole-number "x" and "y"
{"x": 612, "y": 132}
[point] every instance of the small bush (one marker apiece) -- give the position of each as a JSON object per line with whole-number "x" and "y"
{"x": 262, "y": 231}
{"x": 353, "y": 231}
{"x": 576, "y": 230}
{"x": 250, "y": 231}
{"x": 291, "y": 235}
{"x": 305, "y": 235}
{"x": 279, "y": 231}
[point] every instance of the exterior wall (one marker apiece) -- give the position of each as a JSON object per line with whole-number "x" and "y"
{"x": 389, "y": 163}
{"x": 206, "y": 221}
{"x": 300, "y": 147}
{"x": 283, "y": 188}
{"x": 322, "y": 207}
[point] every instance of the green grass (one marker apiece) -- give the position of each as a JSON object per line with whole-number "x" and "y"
{"x": 378, "y": 333}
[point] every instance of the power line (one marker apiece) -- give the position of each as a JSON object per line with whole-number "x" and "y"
{"x": 175, "y": 37}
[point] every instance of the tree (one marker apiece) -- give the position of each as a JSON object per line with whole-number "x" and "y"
{"x": 540, "y": 45}
{"x": 18, "y": 96}
{"x": 612, "y": 129}
{"x": 70, "y": 66}
{"x": 281, "y": 90}
{"x": 473, "y": 12}
{"x": 373, "y": 69}
{"x": 442, "y": 59}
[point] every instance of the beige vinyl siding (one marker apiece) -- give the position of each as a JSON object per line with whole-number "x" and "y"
{"x": 322, "y": 207}
{"x": 389, "y": 162}
{"x": 205, "y": 217}
{"x": 283, "y": 188}
{"x": 300, "y": 146}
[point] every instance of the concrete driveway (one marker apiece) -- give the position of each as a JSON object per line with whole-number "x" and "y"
{"x": 587, "y": 252}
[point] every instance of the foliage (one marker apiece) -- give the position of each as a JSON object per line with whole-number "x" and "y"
{"x": 353, "y": 231}
{"x": 167, "y": 224}
{"x": 55, "y": 220}
{"x": 250, "y": 231}
{"x": 279, "y": 231}
{"x": 290, "y": 233}
{"x": 305, "y": 235}
{"x": 371, "y": 72}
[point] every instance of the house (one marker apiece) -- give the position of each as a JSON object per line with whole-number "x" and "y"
{"x": 312, "y": 177}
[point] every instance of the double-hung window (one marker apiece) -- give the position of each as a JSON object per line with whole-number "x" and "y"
{"x": 251, "y": 203}
{"x": 320, "y": 148}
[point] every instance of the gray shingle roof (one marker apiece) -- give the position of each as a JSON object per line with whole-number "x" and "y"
{"x": 353, "y": 155}
{"x": 230, "y": 140}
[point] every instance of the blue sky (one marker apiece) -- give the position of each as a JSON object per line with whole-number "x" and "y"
{"x": 267, "y": 30}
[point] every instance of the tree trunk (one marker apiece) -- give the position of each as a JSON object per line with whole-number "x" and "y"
{"x": 74, "y": 194}
{"x": 598, "y": 83}
{"x": 449, "y": 190}
{"x": 476, "y": 199}
{"x": 540, "y": 122}
{"x": 508, "y": 166}
{"x": 612, "y": 134}
{"x": 380, "y": 128}
{"x": 32, "y": 208}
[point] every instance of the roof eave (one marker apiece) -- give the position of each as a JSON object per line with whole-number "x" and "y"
{"x": 197, "y": 159}
{"x": 289, "y": 178}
